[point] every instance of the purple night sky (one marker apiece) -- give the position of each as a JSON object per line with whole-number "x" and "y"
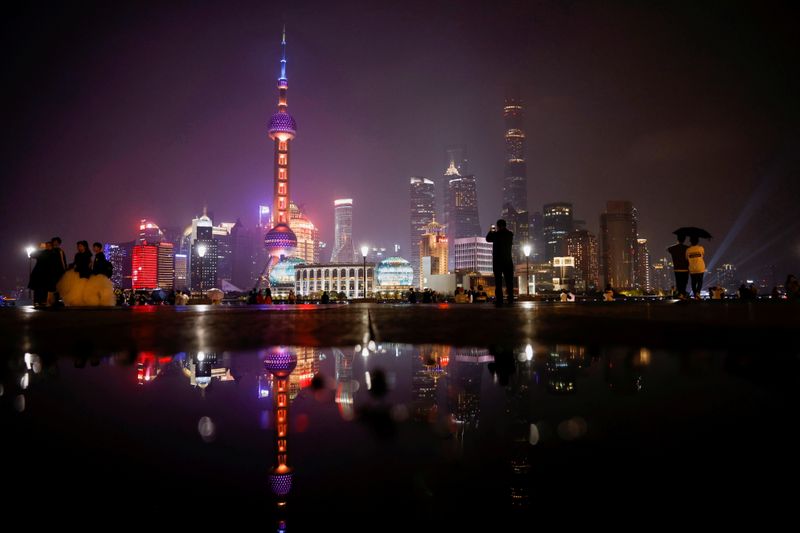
{"x": 117, "y": 112}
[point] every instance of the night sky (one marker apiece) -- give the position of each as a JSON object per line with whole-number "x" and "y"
{"x": 116, "y": 112}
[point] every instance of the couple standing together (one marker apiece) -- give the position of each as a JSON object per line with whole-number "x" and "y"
{"x": 688, "y": 261}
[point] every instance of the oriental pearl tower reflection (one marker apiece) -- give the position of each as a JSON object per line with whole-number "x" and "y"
{"x": 280, "y": 362}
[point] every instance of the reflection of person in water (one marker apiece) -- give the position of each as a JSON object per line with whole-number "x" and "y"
{"x": 503, "y": 366}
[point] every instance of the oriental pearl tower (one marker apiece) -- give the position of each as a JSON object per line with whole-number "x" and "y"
{"x": 281, "y": 241}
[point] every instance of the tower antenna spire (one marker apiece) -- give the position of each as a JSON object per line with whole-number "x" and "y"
{"x": 283, "y": 55}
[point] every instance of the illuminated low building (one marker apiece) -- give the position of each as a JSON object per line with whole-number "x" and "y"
{"x": 394, "y": 276}
{"x": 346, "y": 278}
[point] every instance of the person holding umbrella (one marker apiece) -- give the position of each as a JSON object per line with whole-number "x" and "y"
{"x": 680, "y": 265}
{"x": 685, "y": 263}
{"x": 697, "y": 265}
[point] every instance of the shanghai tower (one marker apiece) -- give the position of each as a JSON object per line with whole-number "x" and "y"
{"x": 515, "y": 180}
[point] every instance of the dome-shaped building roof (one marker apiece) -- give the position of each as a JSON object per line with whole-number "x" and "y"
{"x": 394, "y": 272}
{"x": 283, "y": 272}
{"x": 281, "y": 237}
{"x": 280, "y": 361}
{"x": 282, "y": 123}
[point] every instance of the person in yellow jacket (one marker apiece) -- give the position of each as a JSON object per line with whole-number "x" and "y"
{"x": 697, "y": 265}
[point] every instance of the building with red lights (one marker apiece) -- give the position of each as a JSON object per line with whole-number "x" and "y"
{"x": 144, "y": 272}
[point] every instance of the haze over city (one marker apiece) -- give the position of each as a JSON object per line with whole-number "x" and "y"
{"x": 131, "y": 111}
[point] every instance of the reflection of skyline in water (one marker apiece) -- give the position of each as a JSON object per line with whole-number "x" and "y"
{"x": 552, "y": 397}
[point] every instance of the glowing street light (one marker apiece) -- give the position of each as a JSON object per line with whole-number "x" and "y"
{"x": 527, "y": 251}
{"x": 29, "y": 250}
{"x": 364, "y": 252}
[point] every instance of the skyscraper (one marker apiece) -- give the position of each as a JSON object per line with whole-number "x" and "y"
{"x": 423, "y": 211}
{"x": 181, "y": 271}
{"x": 456, "y": 154}
{"x": 582, "y": 245}
{"x": 166, "y": 265}
{"x": 433, "y": 244}
{"x": 120, "y": 257}
{"x": 203, "y": 270}
{"x": 643, "y": 275}
{"x": 307, "y": 235}
{"x": 557, "y": 223}
{"x": 281, "y": 241}
{"x": 462, "y": 205}
{"x": 618, "y": 233}
{"x": 515, "y": 181}
{"x": 472, "y": 253}
{"x": 537, "y": 237}
{"x": 145, "y": 267}
{"x": 662, "y": 275}
{"x": 344, "y": 249}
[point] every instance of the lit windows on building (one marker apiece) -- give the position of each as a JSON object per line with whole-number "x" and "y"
{"x": 347, "y": 278}
{"x": 473, "y": 254}
{"x": 145, "y": 267}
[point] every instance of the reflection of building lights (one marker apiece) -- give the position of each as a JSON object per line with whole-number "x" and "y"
{"x": 365, "y": 352}
{"x": 371, "y": 346}
{"x": 529, "y": 352}
{"x": 368, "y": 380}
{"x": 201, "y": 356}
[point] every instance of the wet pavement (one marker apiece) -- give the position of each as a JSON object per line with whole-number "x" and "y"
{"x": 167, "y": 329}
{"x": 370, "y": 433}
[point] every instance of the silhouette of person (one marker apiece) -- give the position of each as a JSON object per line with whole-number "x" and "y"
{"x": 502, "y": 264}
{"x": 680, "y": 264}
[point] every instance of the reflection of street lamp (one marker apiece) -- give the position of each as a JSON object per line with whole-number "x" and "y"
{"x": 201, "y": 251}
{"x": 527, "y": 251}
{"x": 29, "y": 250}
{"x": 364, "y": 252}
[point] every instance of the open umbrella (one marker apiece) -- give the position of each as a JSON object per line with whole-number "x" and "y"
{"x": 691, "y": 231}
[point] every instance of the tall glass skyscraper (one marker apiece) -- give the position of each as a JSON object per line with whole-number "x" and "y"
{"x": 344, "y": 249}
{"x": 619, "y": 234}
{"x": 557, "y": 223}
{"x": 423, "y": 210}
{"x": 515, "y": 181}
{"x": 462, "y": 205}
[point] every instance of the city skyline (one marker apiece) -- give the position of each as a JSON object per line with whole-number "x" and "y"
{"x": 186, "y": 136}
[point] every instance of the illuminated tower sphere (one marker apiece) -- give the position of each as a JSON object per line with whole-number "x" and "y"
{"x": 280, "y": 362}
{"x": 281, "y": 240}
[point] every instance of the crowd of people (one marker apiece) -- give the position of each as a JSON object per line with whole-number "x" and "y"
{"x": 86, "y": 281}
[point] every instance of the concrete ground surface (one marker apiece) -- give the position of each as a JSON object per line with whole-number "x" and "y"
{"x": 760, "y": 326}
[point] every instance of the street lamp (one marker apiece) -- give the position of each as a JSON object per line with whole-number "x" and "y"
{"x": 527, "y": 251}
{"x": 201, "y": 251}
{"x": 364, "y": 252}
{"x": 29, "y": 250}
